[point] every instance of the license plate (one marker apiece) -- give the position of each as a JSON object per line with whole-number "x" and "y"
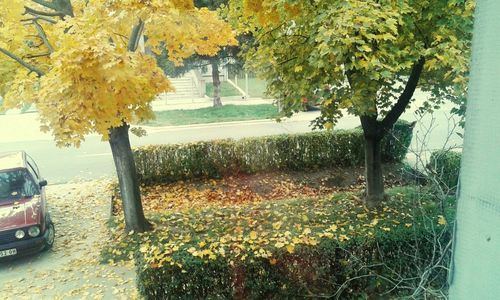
{"x": 8, "y": 252}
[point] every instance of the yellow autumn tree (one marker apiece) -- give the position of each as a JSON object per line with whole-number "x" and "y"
{"x": 85, "y": 65}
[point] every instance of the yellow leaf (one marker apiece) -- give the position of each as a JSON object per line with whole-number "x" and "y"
{"x": 298, "y": 69}
{"x": 366, "y": 48}
{"x": 313, "y": 242}
{"x": 279, "y": 245}
{"x": 277, "y": 225}
{"x": 343, "y": 237}
{"x": 327, "y": 235}
{"x": 441, "y": 220}
{"x": 361, "y": 216}
{"x": 328, "y": 125}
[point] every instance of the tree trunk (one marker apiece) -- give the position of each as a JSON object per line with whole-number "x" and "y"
{"x": 216, "y": 81}
{"x": 127, "y": 177}
{"x": 373, "y": 172}
{"x": 373, "y": 132}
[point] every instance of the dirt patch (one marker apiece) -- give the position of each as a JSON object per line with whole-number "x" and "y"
{"x": 71, "y": 270}
{"x": 260, "y": 187}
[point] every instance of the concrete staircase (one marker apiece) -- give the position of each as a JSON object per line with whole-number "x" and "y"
{"x": 185, "y": 89}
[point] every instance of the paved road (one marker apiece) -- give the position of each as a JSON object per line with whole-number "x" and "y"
{"x": 93, "y": 159}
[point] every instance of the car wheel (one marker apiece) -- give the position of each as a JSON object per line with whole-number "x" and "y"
{"x": 51, "y": 234}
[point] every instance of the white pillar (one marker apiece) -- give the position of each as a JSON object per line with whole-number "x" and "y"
{"x": 246, "y": 85}
{"x": 475, "y": 272}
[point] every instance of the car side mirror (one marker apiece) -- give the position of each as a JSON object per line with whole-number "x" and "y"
{"x": 42, "y": 183}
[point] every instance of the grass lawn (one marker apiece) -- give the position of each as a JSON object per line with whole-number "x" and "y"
{"x": 214, "y": 114}
{"x": 256, "y": 87}
{"x": 226, "y": 90}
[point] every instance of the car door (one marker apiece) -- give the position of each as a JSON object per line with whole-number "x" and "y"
{"x": 33, "y": 168}
{"x": 35, "y": 172}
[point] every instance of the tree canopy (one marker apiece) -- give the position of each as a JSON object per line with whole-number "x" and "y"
{"x": 357, "y": 55}
{"x": 74, "y": 58}
{"x": 365, "y": 58}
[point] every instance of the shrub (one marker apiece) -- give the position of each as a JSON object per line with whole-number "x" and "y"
{"x": 396, "y": 142}
{"x": 166, "y": 163}
{"x": 411, "y": 175}
{"x": 445, "y": 165}
{"x": 296, "y": 249}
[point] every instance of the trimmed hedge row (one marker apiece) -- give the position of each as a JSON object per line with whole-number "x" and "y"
{"x": 356, "y": 266}
{"x": 213, "y": 159}
{"x": 445, "y": 164}
{"x": 311, "y": 272}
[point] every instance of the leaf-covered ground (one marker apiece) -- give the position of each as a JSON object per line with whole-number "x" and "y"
{"x": 259, "y": 214}
{"x": 243, "y": 189}
{"x": 72, "y": 269}
{"x": 238, "y": 232}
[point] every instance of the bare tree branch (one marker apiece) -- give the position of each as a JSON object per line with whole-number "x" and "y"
{"x": 38, "y": 17}
{"x": 405, "y": 97}
{"x": 28, "y": 66}
{"x": 35, "y": 12}
{"x": 65, "y": 7}
{"x": 61, "y": 7}
{"x": 47, "y": 4}
{"x": 135, "y": 36}
{"x": 43, "y": 36}
{"x": 37, "y": 55}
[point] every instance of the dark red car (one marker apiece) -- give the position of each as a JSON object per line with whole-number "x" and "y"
{"x": 25, "y": 224}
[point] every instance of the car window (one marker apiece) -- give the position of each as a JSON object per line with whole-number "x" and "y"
{"x": 33, "y": 166}
{"x": 16, "y": 184}
{"x": 33, "y": 172}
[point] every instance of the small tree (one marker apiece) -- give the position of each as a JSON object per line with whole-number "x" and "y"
{"x": 227, "y": 55}
{"x": 78, "y": 61}
{"x": 365, "y": 58}
{"x": 199, "y": 62}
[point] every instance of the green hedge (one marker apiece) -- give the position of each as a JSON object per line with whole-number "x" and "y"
{"x": 213, "y": 159}
{"x": 370, "y": 264}
{"x": 395, "y": 144}
{"x": 445, "y": 165}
